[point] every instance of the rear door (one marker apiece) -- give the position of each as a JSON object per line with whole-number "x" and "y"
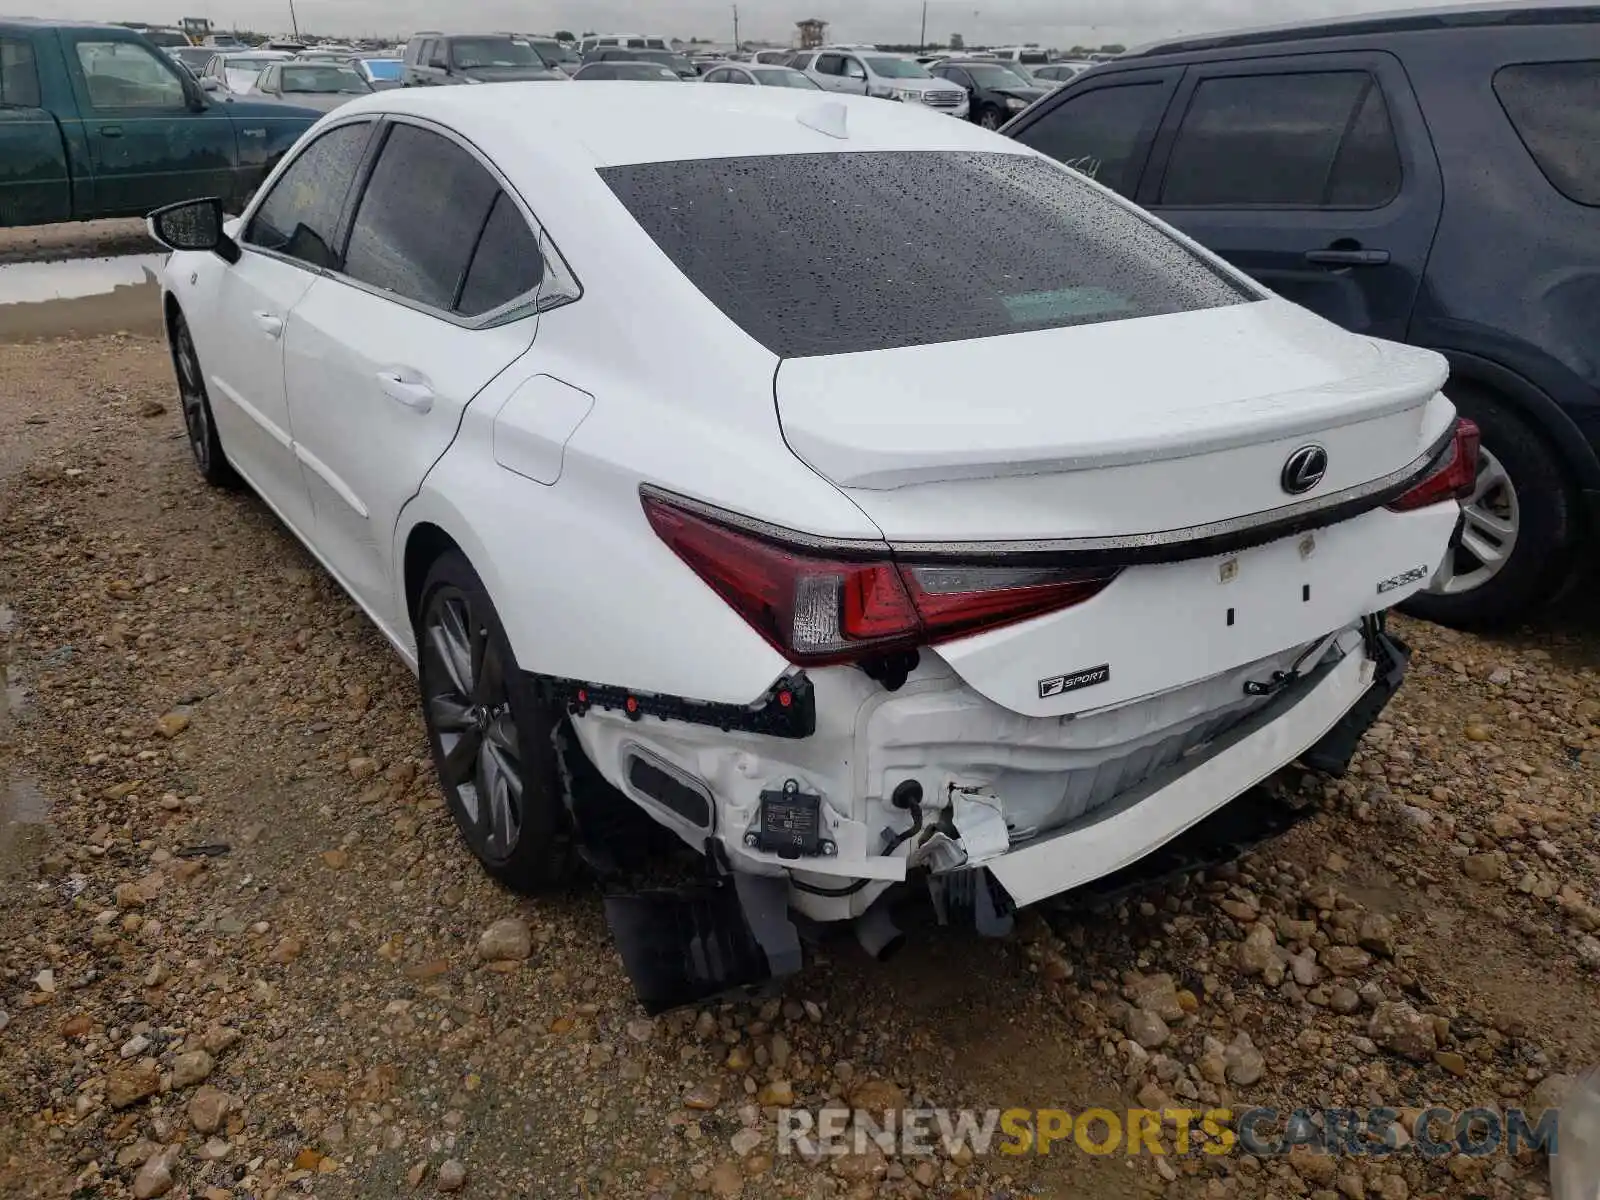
{"x": 147, "y": 145}
{"x": 1103, "y": 127}
{"x": 435, "y": 295}
{"x": 1314, "y": 173}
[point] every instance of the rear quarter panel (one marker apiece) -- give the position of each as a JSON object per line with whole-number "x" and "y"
{"x": 35, "y": 182}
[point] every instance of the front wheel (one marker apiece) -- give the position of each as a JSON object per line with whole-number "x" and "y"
{"x": 990, "y": 118}
{"x": 1518, "y": 526}
{"x": 198, "y": 423}
{"x": 494, "y": 740}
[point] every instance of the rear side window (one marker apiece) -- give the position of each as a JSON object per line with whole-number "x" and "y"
{"x": 299, "y": 216}
{"x": 505, "y": 264}
{"x": 1313, "y": 140}
{"x": 19, "y": 77}
{"x": 416, "y": 241}
{"x": 909, "y": 248}
{"x": 1098, "y": 131}
{"x": 1555, "y": 108}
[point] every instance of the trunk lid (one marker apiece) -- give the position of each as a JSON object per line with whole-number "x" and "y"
{"x": 1122, "y": 430}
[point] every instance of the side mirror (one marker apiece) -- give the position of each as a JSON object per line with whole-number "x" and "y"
{"x": 193, "y": 225}
{"x": 210, "y": 85}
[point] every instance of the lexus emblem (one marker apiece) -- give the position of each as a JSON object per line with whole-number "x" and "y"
{"x": 1304, "y": 469}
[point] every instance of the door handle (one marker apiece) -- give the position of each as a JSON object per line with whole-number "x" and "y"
{"x": 271, "y": 324}
{"x": 1347, "y": 258}
{"x": 111, "y": 131}
{"x": 412, "y": 393}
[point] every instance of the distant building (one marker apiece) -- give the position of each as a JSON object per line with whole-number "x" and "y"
{"x": 957, "y": 42}
{"x": 813, "y": 32}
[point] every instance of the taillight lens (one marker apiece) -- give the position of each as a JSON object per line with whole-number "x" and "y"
{"x": 817, "y": 609}
{"x": 1455, "y": 476}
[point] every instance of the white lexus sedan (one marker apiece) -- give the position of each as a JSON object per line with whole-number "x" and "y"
{"x": 659, "y": 430}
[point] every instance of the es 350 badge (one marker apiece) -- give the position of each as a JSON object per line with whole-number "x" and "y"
{"x": 1059, "y": 685}
{"x": 1400, "y": 580}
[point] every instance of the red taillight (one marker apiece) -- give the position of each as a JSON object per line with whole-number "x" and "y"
{"x": 818, "y": 609}
{"x": 1453, "y": 479}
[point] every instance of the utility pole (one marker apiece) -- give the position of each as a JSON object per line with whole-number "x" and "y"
{"x": 922, "y": 42}
{"x": 735, "y": 26}
{"x": 294, "y": 23}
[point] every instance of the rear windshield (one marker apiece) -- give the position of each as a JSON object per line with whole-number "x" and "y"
{"x": 839, "y": 253}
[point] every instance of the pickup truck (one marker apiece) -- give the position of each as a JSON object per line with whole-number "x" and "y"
{"x": 95, "y": 121}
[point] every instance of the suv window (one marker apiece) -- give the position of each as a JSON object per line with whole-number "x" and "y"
{"x": 128, "y": 75}
{"x": 830, "y": 64}
{"x": 19, "y": 77}
{"x": 989, "y": 244}
{"x": 1098, "y": 131}
{"x": 417, "y": 242}
{"x": 1555, "y": 108}
{"x": 300, "y": 215}
{"x": 1311, "y": 140}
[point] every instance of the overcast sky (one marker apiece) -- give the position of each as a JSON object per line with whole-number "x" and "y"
{"x": 988, "y": 22}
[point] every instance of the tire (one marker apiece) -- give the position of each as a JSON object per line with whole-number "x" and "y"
{"x": 991, "y": 118}
{"x": 1522, "y": 512}
{"x": 494, "y": 740}
{"x": 204, "y": 442}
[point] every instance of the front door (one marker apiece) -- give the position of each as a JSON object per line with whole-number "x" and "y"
{"x": 287, "y": 241}
{"x": 1314, "y": 173}
{"x": 436, "y": 295}
{"x": 147, "y": 145}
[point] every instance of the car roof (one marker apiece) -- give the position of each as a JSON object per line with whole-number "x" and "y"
{"x": 1454, "y": 16}
{"x": 612, "y": 123}
{"x": 48, "y": 23}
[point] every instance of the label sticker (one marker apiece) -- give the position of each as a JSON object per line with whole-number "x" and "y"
{"x": 1059, "y": 685}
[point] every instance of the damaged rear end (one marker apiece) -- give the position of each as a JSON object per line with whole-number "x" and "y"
{"x": 1138, "y": 524}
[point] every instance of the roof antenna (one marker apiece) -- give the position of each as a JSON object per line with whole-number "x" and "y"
{"x": 826, "y": 118}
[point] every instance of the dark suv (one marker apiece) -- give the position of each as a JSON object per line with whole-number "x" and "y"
{"x": 439, "y": 58}
{"x": 1429, "y": 177}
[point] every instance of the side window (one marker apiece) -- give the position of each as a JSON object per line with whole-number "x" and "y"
{"x": 415, "y": 241}
{"x": 299, "y": 215}
{"x": 19, "y": 77}
{"x": 716, "y": 77}
{"x": 739, "y": 77}
{"x": 830, "y": 64}
{"x": 1097, "y": 132}
{"x": 506, "y": 264}
{"x": 1555, "y": 108}
{"x": 1313, "y": 140}
{"x": 853, "y": 69}
{"x": 128, "y": 75}
{"x": 958, "y": 77}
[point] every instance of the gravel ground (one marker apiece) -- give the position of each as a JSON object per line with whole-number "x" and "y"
{"x": 242, "y": 952}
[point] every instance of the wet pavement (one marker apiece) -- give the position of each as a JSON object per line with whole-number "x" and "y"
{"x": 79, "y": 297}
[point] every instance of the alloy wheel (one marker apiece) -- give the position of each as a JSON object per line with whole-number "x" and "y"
{"x": 192, "y": 396}
{"x": 469, "y": 706}
{"x": 990, "y": 120}
{"x": 1489, "y": 533}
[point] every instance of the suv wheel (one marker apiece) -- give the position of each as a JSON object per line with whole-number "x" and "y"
{"x": 990, "y": 118}
{"x": 1518, "y": 528}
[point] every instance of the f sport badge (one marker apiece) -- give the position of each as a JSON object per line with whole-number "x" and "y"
{"x": 1060, "y": 685}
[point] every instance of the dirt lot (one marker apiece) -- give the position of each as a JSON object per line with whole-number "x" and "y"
{"x": 240, "y": 942}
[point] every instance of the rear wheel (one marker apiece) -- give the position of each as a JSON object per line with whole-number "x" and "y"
{"x": 1518, "y": 532}
{"x": 204, "y": 442}
{"x": 494, "y": 740}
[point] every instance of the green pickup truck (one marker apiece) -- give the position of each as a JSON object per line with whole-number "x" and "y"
{"x": 97, "y": 122}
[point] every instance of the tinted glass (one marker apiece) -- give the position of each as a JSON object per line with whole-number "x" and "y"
{"x": 898, "y": 68}
{"x": 830, "y": 64}
{"x": 1556, "y": 110}
{"x": 19, "y": 77}
{"x": 783, "y": 77}
{"x": 299, "y": 215}
{"x": 128, "y": 75}
{"x": 996, "y": 76}
{"x": 1097, "y": 132}
{"x": 319, "y": 79}
{"x": 383, "y": 68}
{"x": 420, "y": 217}
{"x": 908, "y": 248}
{"x": 1275, "y": 140}
{"x": 506, "y": 264}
